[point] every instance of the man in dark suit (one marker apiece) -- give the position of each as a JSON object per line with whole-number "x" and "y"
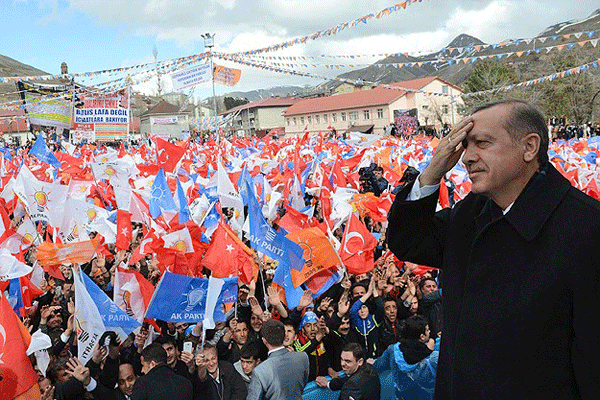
{"x": 518, "y": 255}
{"x": 284, "y": 373}
{"x": 361, "y": 381}
{"x": 160, "y": 381}
{"x": 217, "y": 379}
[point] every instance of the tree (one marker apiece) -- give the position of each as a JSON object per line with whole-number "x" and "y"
{"x": 231, "y": 102}
{"x": 488, "y": 75}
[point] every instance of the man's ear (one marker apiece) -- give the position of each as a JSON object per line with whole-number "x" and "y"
{"x": 264, "y": 341}
{"x": 531, "y": 144}
{"x": 361, "y": 361}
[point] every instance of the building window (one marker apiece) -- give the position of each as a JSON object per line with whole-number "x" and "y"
{"x": 309, "y": 119}
{"x": 380, "y": 113}
{"x": 445, "y": 89}
{"x": 334, "y": 117}
{"x": 317, "y": 119}
{"x": 295, "y": 121}
{"x": 287, "y": 121}
{"x": 343, "y": 116}
{"x": 353, "y": 115}
{"x": 325, "y": 118}
{"x": 366, "y": 114}
{"x": 445, "y": 109}
{"x": 301, "y": 120}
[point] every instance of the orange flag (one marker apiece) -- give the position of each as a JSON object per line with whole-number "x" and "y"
{"x": 318, "y": 253}
{"x": 19, "y": 380}
{"x": 49, "y": 254}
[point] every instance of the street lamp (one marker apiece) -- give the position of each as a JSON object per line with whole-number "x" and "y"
{"x": 209, "y": 43}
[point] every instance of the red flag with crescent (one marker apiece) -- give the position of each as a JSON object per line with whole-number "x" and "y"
{"x": 357, "y": 247}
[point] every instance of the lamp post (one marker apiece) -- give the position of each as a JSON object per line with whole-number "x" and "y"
{"x": 209, "y": 43}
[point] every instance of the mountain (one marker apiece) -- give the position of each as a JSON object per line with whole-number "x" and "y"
{"x": 12, "y": 67}
{"x": 260, "y": 94}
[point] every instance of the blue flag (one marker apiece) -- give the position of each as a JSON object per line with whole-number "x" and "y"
{"x": 41, "y": 151}
{"x": 264, "y": 238}
{"x": 161, "y": 197}
{"x": 113, "y": 317}
{"x": 179, "y": 298}
{"x": 14, "y": 295}
{"x": 184, "y": 209}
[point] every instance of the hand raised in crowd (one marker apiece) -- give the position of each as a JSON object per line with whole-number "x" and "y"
{"x": 101, "y": 260}
{"x": 188, "y": 359}
{"x": 201, "y": 364}
{"x": 78, "y": 371}
{"x": 70, "y": 325}
{"x": 305, "y": 300}
{"x": 273, "y": 296}
{"x": 71, "y": 306}
{"x": 343, "y": 305}
{"x": 48, "y": 393}
{"x": 255, "y": 306}
{"x": 324, "y": 304}
{"x": 114, "y": 350}
{"x": 46, "y": 312}
{"x": 447, "y": 153}
{"x": 321, "y": 381}
{"x": 140, "y": 339}
{"x": 100, "y": 353}
{"x": 323, "y": 330}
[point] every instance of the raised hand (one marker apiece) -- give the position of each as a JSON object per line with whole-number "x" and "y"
{"x": 254, "y": 306}
{"x": 78, "y": 371}
{"x": 99, "y": 353}
{"x": 305, "y": 300}
{"x": 273, "y": 294}
{"x": 447, "y": 153}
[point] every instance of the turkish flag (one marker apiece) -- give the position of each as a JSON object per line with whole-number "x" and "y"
{"x": 357, "y": 247}
{"x": 168, "y": 154}
{"x": 19, "y": 380}
{"x": 124, "y": 230}
{"x": 28, "y": 292}
{"x": 227, "y": 256}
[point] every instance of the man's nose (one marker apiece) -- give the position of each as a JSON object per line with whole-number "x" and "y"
{"x": 470, "y": 155}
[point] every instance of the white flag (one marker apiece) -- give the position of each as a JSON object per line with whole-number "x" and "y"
{"x": 88, "y": 321}
{"x": 10, "y": 267}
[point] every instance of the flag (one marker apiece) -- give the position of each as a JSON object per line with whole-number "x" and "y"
{"x": 228, "y": 256}
{"x": 226, "y": 76}
{"x": 96, "y": 313}
{"x": 132, "y": 293}
{"x": 357, "y": 247}
{"x": 318, "y": 253}
{"x": 180, "y": 240}
{"x": 19, "y": 379}
{"x": 43, "y": 201}
{"x": 168, "y": 154}
{"x": 10, "y": 267}
{"x": 49, "y": 254}
{"x": 124, "y": 230}
{"x": 219, "y": 291}
{"x": 43, "y": 153}
{"x": 161, "y": 197}
{"x": 265, "y": 239}
{"x": 179, "y": 298}
{"x": 184, "y": 209}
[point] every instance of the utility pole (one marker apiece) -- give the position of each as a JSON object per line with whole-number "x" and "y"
{"x": 209, "y": 43}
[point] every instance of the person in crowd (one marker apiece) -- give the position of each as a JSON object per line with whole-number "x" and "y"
{"x": 313, "y": 339}
{"x": 230, "y": 345}
{"x": 290, "y": 334}
{"x": 249, "y": 359}
{"x": 389, "y": 330}
{"x": 431, "y": 305}
{"x": 159, "y": 380}
{"x": 514, "y": 285}
{"x": 173, "y": 356}
{"x": 380, "y": 182}
{"x": 360, "y": 382}
{"x": 413, "y": 361}
{"x": 125, "y": 381}
{"x": 364, "y": 323}
{"x": 284, "y": 374}
{"x": 218, "y": 379}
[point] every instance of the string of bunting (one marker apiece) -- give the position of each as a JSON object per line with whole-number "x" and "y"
{"x": 542, "y": 79}
{"x": 448, "y": 61}
{"x": 331, "y": 31}
{"x": 465, "y": 49}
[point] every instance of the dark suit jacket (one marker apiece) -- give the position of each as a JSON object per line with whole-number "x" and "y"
{"x": 234, "y": 387}
{"x": 282, "y": 375}
{"x": 162, "y": 383}
{"x": 363, "y": 385}
{"x": 517, "y": 299}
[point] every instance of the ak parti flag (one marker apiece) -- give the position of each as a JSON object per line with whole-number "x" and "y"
{"x": 49, "y": 254}
{"x": 357, "y": 247}
{"x": 227, "y": 256}
{"x": 124, "y": 230}
{"x": 318, "y": 253}
{"x": 19, "y": 380}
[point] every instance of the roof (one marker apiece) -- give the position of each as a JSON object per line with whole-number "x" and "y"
{"x": 417, "y": 84}
{"x": 363, "y": 98}
{"x": 163, "y": 107}
{"x": 270, "y": 102}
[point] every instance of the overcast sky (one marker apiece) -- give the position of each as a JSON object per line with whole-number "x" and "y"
{"x": 99, "y": 34}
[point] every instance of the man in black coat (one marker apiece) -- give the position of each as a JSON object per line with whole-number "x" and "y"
{"x": 217, "y": 379}
{"x": 160, "y": 381}
{"x": 361, "y": 381}
{"x": 519, "y": 255}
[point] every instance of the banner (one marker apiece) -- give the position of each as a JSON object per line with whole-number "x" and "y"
{"x": 44, "y": 111}
{"x": 108, "y": 115}
{"x": 163, "y": 120}
{"x": 190, "y": 77}
{"x": 227, "y": 76}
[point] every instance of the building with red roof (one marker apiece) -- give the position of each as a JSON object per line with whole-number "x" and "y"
{"x": 433, "y": 100}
